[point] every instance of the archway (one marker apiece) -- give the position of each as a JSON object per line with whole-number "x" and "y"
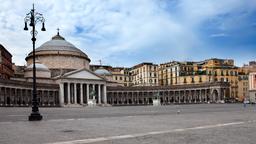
{"x": 150, "y": 101}
{"x": 8, "y": 101}
{"x": 215, "y": 95}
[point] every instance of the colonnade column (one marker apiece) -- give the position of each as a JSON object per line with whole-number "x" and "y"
{"x": 132, "y": 98}
{"x": 205, "y": 95}
{"x": 105, "y": 93}
{"x": 179, "y": 96}
{"x": 224, "y": 93}
{"x": 68, "y": 85}
{"x": 195, "y": 95}
{"x": 48, "y": 96}
{"x": 93, "y": 88}
{"x": 219, "y": 94}
{"x": 184, "y": 97}
{"x": 200, "y": 95}
{"x": 99, "y": 94}
{"x": 190, "y": 96}
{"x": 81, "y": 94}
{"x": 61, "y": 95}
{"x": 87, "y": 92}
{"x": 15, "y": 97}
{"x": 75, "y": 93}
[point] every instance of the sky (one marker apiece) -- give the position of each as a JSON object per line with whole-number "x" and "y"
{"x": 128, "y": 32}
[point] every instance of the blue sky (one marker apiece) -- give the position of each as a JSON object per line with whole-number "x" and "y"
{"x": 128, "y": 32}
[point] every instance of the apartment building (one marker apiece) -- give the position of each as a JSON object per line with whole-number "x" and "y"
{"x": 144, "y": 74}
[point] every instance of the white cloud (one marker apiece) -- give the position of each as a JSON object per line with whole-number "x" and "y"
{"x": 219, "y": 35}
{"x": 110, "y": 26}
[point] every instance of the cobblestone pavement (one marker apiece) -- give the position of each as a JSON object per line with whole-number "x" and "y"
{"x": 182, "y": 124}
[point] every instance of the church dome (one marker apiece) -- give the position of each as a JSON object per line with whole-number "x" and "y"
{"x": 41, "y": 71}
{"x": 102, "y": 71}
{"x": 59, "y": 55}
{"x": 39, "y": 67}
{"x": 58, "y": 43}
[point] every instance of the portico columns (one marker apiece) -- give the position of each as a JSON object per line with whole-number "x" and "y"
{"x": 75, "y": 93}
{"x": 93, "y": 88}
{"x": 68, "y": 85}
{"x": 105, "y": 94}
{"x": 99, "y": 94}
{"x": 81, "y": 94}
{"x": 61, "y": 95}
{"x": 87, "y": 92}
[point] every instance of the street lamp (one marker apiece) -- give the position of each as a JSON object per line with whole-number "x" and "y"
{"x": 33, "y": 18}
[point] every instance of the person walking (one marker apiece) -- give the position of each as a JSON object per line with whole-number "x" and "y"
{"x": 245, "y": 102}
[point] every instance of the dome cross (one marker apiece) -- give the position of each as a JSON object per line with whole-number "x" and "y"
{"x": 58, "y": 31}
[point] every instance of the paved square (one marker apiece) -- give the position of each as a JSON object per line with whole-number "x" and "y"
{"x": 196, "y": 124}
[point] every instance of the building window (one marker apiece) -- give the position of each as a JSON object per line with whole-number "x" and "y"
{"x": 185, "y": 81}
{"x": 209, "y": 72}
{"x": 192, "y": 80}
{"x": 200, "y": 79}
{"x": 121, "y": 78}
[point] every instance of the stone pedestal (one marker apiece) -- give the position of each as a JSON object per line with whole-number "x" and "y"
{"x": 156, "y": 102}
{"x": 91, "y": 102}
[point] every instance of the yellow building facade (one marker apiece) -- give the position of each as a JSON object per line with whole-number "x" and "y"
{"x": 122, "y": 76}
{"x": 243, "y": 80}
{"x": 210, "y": 70}
{"x": 144, "y": 74}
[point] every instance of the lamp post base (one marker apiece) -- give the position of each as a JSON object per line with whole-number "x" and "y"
{"x": 35, "y": 116}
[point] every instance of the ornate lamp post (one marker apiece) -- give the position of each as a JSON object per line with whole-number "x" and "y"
{"x": 34, "y": 17}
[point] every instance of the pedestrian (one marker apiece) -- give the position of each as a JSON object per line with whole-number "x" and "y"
{"x": 244, "y": 103}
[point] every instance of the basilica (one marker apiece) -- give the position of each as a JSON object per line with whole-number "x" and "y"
{"x": 64, "y": 79}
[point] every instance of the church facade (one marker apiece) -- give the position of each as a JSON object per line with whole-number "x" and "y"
{"x": 63, "y": 78}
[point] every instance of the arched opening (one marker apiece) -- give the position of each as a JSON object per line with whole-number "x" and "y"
{"x": 171, "y": 99}
{"x": 8, "y": 101}
{"x": 150, "y": 101}
{"x": 215, "y": 95}
{"x": 78, "y": 90}
{"x": 167, "y": 100}
{"x": 130, "y": 101}
{"x": 145, "y": 100}
{"x": 140, "y": 101}
{"x": 161, "y": 100}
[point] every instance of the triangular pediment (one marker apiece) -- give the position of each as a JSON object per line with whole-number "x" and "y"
{"x": 82, "y": 74}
